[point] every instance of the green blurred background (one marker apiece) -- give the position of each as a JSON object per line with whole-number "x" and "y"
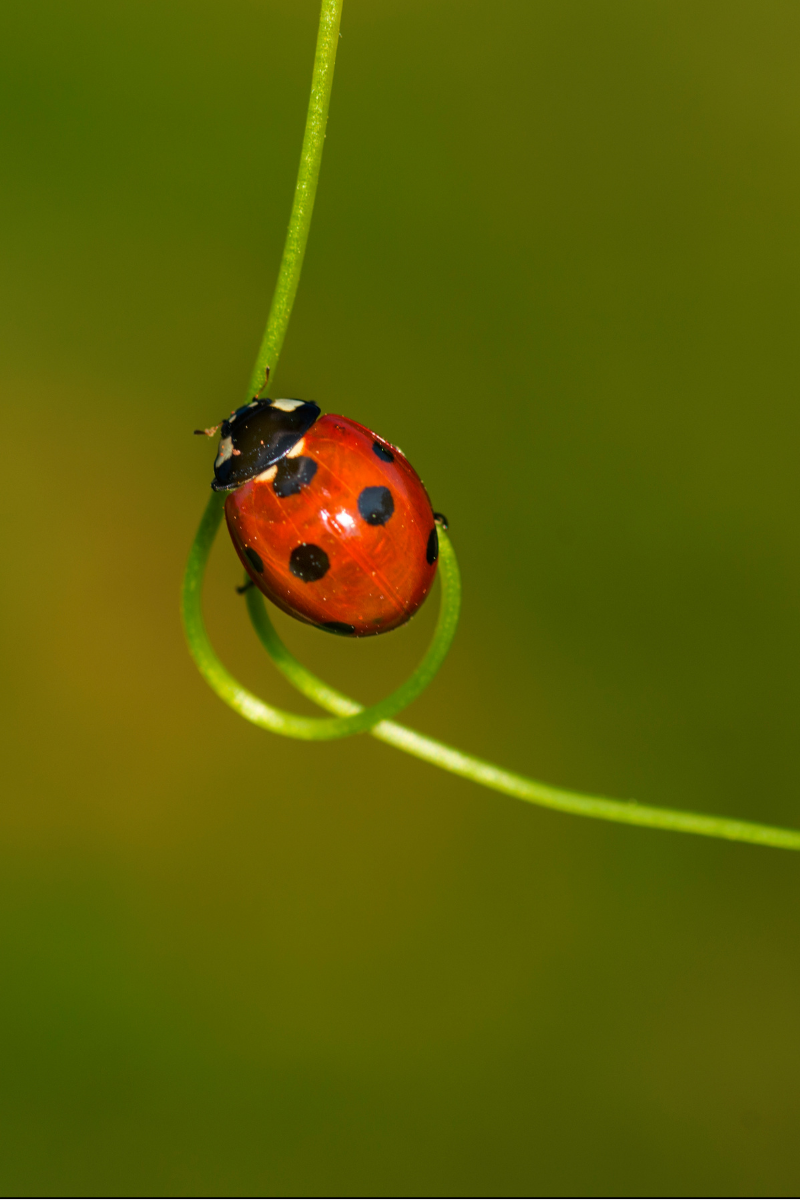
{"x": 555, "y": 258}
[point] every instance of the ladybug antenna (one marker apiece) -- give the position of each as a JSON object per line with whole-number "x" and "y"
{"x": 207, "y": 432}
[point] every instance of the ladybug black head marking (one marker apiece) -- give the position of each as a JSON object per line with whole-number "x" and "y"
{"x": 257, "y": 435}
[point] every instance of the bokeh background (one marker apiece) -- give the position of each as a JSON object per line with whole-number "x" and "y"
{"x": 555, "y": 258}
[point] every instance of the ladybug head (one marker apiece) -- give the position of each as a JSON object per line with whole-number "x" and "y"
{"x": 256, "y": 436}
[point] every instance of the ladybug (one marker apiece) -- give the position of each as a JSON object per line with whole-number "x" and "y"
{"x": 331, "y": 522}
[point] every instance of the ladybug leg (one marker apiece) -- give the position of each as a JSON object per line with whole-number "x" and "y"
{"x": 207, "y": 432}
{"x": 441, "y": 519}
{"x": 240, "y": 591}
{"x": 265, "y": 384}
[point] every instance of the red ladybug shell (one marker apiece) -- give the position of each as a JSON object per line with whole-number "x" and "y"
{"x": 340, "y": 532}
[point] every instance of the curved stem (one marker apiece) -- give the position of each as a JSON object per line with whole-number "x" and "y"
{"x": 428, "y": 749}
{"x": 487, "y": 774}
{"x": 276, "y": 720}
{"x": 304, "y": 193}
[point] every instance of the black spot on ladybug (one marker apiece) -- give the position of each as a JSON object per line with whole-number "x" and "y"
{"x": 432, "y": 549}
{"x": 376, "y": 505}
{"x": 309, "y": 562}
{"x": 338, "y": 627}
{"x": 254, "y": 559}
{"x": 293, "y": 475}
{"x": 383, "y": 452}
{"x": 441, "y": 519}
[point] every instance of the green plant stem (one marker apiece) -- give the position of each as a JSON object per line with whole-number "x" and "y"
{"x": 486, "y": 773}
{"x": 276, "y": 720}
{"x": 425, "y": 748}
{"x": 304, "y": 193}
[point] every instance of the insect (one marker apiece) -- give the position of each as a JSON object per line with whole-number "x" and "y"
{"x": 331, "y": 522}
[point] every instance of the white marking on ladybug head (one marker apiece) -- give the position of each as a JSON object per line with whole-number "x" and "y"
{"x": 287, "y": 405}
{"x": 266, "y": 476}
{"x": 224, "y": 452}
{"x": 297, "y": 449}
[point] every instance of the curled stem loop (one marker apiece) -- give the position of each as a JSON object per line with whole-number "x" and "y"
{"x": 248, "y": 705}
